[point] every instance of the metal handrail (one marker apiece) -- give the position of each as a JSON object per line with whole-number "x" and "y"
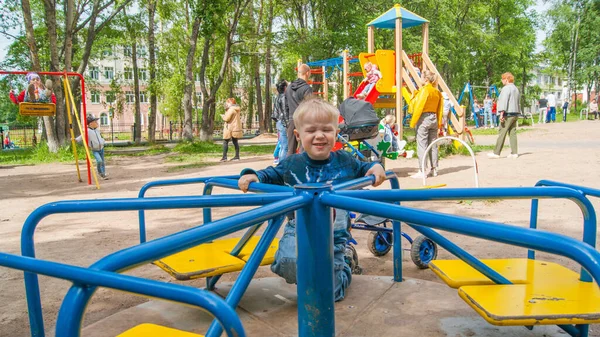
{"x": 205, "y": 300}
{"x": 166, "y": 182}
{"x": 587, "y": 209}
{"x": 578, "y": 251}
{"x": 77, "y": 297}
{"x": 130, "y": 204}
{"x": 535, "y": 206}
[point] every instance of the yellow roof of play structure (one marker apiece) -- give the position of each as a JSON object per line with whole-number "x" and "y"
{"x": 387, "y": 20}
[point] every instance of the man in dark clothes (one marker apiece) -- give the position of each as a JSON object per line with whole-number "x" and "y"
{"x": 296, "y": 92}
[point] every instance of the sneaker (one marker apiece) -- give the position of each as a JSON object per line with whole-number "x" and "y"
{"x": 31, "y": 92}
{"x": 224, "y": 159}
{"x": 493, "y": 155}
{"x": 48, "y": 88}
{"x": 418, "y": 175}
{"x": 234, "y": 159}
{"x": 434, "y": 172}
{"x": 276, "y": 161}
{"x": 513, "y": 156}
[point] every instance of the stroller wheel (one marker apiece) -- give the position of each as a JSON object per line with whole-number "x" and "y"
{"x": 422, "y": 251}
{"x": 380, "y": 243}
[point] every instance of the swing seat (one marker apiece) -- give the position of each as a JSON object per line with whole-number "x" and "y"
{"x": 37, "y": 109}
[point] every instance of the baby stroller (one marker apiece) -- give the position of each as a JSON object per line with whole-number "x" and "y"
{"x": 422, "y": 250}
{"x": 358, "y": 122}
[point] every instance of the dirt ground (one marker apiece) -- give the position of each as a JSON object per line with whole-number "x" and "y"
{"x": 566, "y": 152}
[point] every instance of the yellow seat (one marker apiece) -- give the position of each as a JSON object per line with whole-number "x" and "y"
{"x": 153, "y": 330}
{"x": 211, "y": 259}
{"x": 560, "y": 300}
{"x": 456, "y": 273}
{"x": 37, "y": 109}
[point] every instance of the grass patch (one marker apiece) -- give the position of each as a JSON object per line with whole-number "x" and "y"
{"x": 494, "y": 131}
{"x": 191, "y": 165}
{"x": 152, "y": 151}
{"x": 210, "y": 148}
{"x": 39, "y": 155}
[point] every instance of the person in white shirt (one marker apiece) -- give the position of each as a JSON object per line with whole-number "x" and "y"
{"x": 551, "y": 115}
{"x": 594, "y": 109}
{"x": 96, "y": 144}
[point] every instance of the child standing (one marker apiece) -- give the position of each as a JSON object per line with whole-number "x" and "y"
{"x": 373, "y": 75}
{"x": 316, "y": 128}
{"x": 487, "y": 112}
{"x": 36, "y": 92}
{"x": 96, "y": 144}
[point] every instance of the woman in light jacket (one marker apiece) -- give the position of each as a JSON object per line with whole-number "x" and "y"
{"x": 232, "y": 129}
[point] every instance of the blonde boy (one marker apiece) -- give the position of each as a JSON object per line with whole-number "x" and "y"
{"x": 316, "y": 124}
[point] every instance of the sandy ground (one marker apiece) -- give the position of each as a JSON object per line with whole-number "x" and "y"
{"x": 565, "y": 152}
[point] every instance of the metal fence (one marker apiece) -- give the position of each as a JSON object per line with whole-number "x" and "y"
{"x": 19, "y": 136}
{"x": 24, "y": 136}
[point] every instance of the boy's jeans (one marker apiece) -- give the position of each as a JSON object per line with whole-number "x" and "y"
{"x": 285, "y": 257}
{"x": 99, "y": 155}
{"x": 282, "y": 143}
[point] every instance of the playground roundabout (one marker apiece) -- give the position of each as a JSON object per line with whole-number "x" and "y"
{"x": 423, "y": 305}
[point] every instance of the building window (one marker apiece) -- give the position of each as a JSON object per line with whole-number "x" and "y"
{"x": 95, "y": 97}
{"x": 109, "y": 73}
{"x": 142, "y": 51}
{"x": 127, "y": 51}
{"x": 94, "y": 73}
{"x": 129, "y": 97}
{"x": 128, "y": 73}
{"x": 143, "y": 74}
{"x": 107, "y": 52}
{"x": 103, "y": 119}
{"x": 143, "y": 97}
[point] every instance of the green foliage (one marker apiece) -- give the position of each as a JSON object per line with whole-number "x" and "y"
{"x": 39, "y": 155}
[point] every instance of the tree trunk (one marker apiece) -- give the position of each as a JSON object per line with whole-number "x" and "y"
{"x": 50, "y": 16}
{"x": 268, "y": 95}
{"x": 256, "y": 66}
{"x": 210, "y": 98}
{"x": 250, "y": 112}
{"x": 35, "y": 61}
{"x": 189, "y": 82}
{"x": 136, "y": 91}
{"x": 152, "y": 63}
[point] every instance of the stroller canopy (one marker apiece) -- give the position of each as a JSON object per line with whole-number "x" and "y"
{"x": 358, "y": 113}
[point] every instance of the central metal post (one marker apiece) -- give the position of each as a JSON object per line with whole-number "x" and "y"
{"x": 314, "y": 270}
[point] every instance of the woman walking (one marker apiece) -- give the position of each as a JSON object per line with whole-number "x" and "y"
{"x": 232, "y": 129}
{"x": 509, "y": 108}
{"x": 427, "y": 120}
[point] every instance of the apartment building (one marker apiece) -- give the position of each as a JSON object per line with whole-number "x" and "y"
{"x": 549, "y": 82}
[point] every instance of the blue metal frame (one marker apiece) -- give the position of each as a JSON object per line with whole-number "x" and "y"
{"x": 314, "y": 234}
{"x": 587, "y": 209}
{"x": 591, "y": 233}
{"x": 208, "y": 301}
{"x": 168, "y": 245}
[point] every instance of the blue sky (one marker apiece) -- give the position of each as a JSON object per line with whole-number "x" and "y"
{"x": 541, "y": 6}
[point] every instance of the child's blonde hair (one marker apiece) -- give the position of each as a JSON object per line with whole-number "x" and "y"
{"x": 389, "y": 119}
{"x": 317, "y": 107}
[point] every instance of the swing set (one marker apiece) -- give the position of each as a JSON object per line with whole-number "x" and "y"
{"x": 49, "y": 110}
{"x": 468, "y": 89}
